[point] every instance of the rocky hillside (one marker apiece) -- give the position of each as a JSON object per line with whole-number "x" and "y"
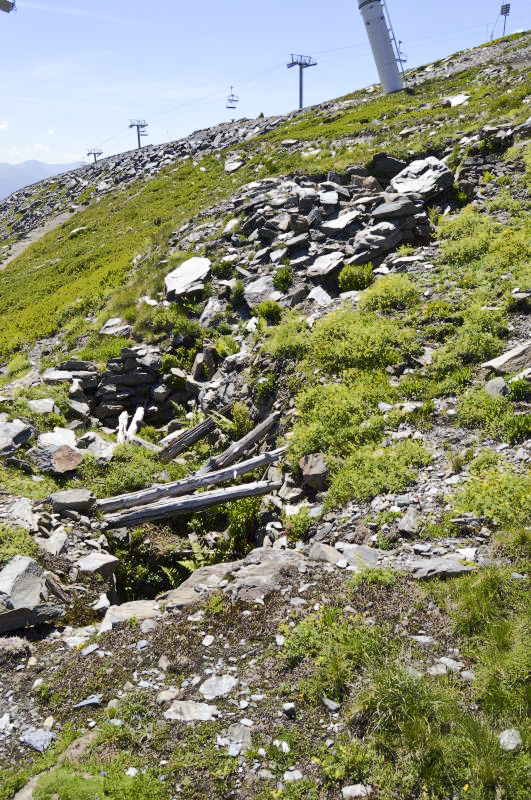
{"x": 264, "y": 456}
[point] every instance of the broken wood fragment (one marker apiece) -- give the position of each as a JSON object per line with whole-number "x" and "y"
{"x": 180, "y": 441}
{"x": 239, "y": 448}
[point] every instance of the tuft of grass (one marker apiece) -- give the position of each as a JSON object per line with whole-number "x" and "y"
{"x": 283, "y": 278}
{"x": 390, "y": 293}
{"x": 337, "y": 647}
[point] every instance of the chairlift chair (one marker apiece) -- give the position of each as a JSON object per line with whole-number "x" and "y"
{"x": 232, "y": 99}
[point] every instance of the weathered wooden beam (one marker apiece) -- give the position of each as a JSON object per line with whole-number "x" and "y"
{"x": 122, "y": 427}
{"x": 186, "y": 485}
{"x": 138, "y": 416}
{"x": 178, "y": 442}
{"x": 189, "y": 504}
{"x": 239, "y": 448}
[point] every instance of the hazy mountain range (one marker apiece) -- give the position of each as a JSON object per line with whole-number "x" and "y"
{"x": 16, "y": 176}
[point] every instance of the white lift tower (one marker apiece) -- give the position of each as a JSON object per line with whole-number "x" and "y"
{"x": 382, "y": 39}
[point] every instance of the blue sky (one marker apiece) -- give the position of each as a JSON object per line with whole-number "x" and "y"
{"x": 74, "y": 72}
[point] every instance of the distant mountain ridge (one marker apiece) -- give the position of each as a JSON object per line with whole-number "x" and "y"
{"x": 16, "y": 176}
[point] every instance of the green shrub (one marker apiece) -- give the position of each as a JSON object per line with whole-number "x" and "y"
{"x": 15, "y": 542}
{"x": 265, "y": 386}
{"x": 390, "y": 293}
{"x": 349, "y": 340}
{"x": 241, "y": 420}
{"x": 477, "y": 409}
{"x": 282, "y": 279}
{"x": 289, "y": 338}
{"x": 478, "y": 339}
{"x": 298, "y": 525}
{"x": 373, "y": 576}
{"x": 101, "y": 348}
{"x": 355, "y": 277}
{"x": 368, "y": 472}
{"x": 520, "y": 390}
{"x": 501, "y": 495}
{"x": 270, "y": 311}
{"x": 335, "y": 418}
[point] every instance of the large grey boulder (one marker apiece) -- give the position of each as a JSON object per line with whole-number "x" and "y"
{"x": 385, "y": 166}
{"x": 375, "y": 240}
{"x": 314, "y": 471}
{"x": 17, "y": 511}
{"x": 56, "y": 452}
{"x": 187, "y": 277}
{"x": 99, "y": 448}
{"x": 22, "y": 586}
{"x": 22, "y": 582}
{"x": 38, "y": 739}
{"x": 259, "y": 290}
{"x": 45, "y": 405}
{"x": 514, "y": 360}
{"x": 326, "y": 264}
{"x": 263, "y": 572}
{"x": 98, "y": 563}
{"x": 427, "y": 177}
{"x": 399, "y": 206}
{"x": 13, "y": 435}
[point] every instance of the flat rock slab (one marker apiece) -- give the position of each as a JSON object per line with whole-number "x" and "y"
{"x": 44, "y": 406}
{"x": 73, "y": 500}
{"x": 20, "y": 618}
{"x": 341, "y": 223}
{"x": 361, "y": 555}
{"x": 323, "y": 552}
{"x": 182, "y": 278}
{"x": 55, "y": 545}
{"x": 433, "y": 567}
{"x": 188, "y": 711}
{"x": 217, "y": 686}
{"x": 136, "y": 609}
{"x": 515, "y": 360}
{"x": 377, "y": 239}
{"x": 401, "y": 207}
{"x": 427, "y": 177}
{"x": 116, "y": 327}
{"x": 38, "y": 739}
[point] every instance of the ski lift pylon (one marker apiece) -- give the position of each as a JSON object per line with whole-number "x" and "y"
{"x": 232, "y": 99}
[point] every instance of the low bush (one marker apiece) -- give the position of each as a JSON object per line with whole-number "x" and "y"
{"x": 390, "y": 293}
{"x": 288, "y": 339}
{"x": 349, "y": 340}
{"x": 355, "y": 277}
{"x": 501, "y": 495}
{"x": 368, "y": 472}
{"x": 335, "y": 418}
{"x": 270, "y": 311}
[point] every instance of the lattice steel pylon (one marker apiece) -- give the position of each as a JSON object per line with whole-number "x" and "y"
{"x": 302, "y": 62}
